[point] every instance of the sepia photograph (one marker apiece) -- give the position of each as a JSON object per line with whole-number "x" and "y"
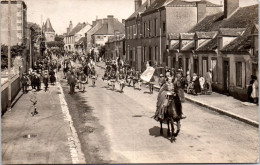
{"x": 129, "y": 81}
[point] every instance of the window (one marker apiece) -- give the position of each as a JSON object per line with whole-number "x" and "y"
{"x": 149, "y": 29}
{"x": 138, "y": 28}
{"x": 144, "y": 52}
{"x": 196, "y": 66}
{"x": 150, "y": 53}
{"x": 155, "y": 27}
{"x": 155, "y": 52}
{"x": 134, "y": 31}
{"x": 239, "y": 74}
{"x": 144, "y": 29}
{"x": 133, "y": 53}
{"x": 164, "y": 27}
{"x": 204, "y": 66}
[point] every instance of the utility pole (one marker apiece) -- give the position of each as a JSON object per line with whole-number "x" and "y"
{"x": 9, "y": 54}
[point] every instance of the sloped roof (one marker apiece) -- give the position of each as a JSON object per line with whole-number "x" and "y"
{"x": 172, "y": 3}
{"x": 235, "y": 32}
{"x": 174, "y": 36}
{"x": 141, "y": 9}
{"x": 191, "y": 3}
{"x": 240, "y": 19}
{"x": 206, "y": 35}
{"x": 77, "y": 28}
{"x": 80, "y": 41}
{"x": 187, "y": 36}
{"x": 118, "y": 26}
{"x": 241, "y": 43}
{"x": 245, "y": 17}
{"x": 48, "y": 26}
{"x": 189, "y": 46}
{"x": 156, "y": 5}
{"x": 210, "y": 46}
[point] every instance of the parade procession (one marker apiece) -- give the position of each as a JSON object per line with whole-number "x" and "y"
{"x": 129, "y": 81}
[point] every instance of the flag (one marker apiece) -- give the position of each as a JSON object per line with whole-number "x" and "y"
{"x": 147, "y": 74}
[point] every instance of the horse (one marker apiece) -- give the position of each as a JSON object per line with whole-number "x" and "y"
{"x": 170, "y": 114}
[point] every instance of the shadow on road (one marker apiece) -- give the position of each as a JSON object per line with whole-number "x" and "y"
{"x": 155, "y": 131}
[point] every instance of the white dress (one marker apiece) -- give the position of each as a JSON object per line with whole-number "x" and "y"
{"x": 202, "y": 81}
{"x": 255, "y": 93}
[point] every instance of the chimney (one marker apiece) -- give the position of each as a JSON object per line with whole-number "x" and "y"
{"x": 99, "y": 21}
{"x": 230, "y": 6}
{"x": 138, "y": 3}
{"x": 94, "y": 23}
{"x": 70, "y": 26}
{"x": 201, "y": 10}
{"x": 110, "y": 24}
{"x": 123, "y": 21}
{"x": 105, "y": 20}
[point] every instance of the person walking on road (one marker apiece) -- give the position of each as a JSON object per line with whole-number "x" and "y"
{"x": 45, "y": 80}
{"x": 82, "y": 80}
{"x": 72, "y": 81}
{"x": 24, "y": 81}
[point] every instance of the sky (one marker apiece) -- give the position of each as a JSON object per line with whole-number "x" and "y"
{"x": 61, "y": 12}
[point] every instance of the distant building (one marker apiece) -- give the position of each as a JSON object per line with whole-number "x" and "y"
{"x": 48, "y": 31}
{"x": 110, "y": 27}
{"x": 18, "y": 22}
{"x": 74, "y": 35}
{"x": 88, "y": 42}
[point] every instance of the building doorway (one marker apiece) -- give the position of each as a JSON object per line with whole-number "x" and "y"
{"x": 196, "y": 66}
{"x": 226, "y": 77}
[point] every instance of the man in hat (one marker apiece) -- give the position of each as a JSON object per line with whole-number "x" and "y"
{"x": 161, "y": 80}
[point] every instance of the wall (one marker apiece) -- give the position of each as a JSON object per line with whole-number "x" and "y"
{"x": 15, "y": 86}
{"x": 50, "y": 36}
{"x": 4, "y": 24}
{"x": 180, "y": 19}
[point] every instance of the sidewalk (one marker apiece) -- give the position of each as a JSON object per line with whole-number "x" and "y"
{"x": 226, "y": 105}
{"x": 39, "y": 139}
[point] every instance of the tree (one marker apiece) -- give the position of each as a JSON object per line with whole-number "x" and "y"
{"x": 36, "y": 27}
{"x": 58, "y": 38}
{"x": 16, "y": 50}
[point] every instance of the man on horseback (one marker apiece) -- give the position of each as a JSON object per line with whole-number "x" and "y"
{"x": 169, "y": 107}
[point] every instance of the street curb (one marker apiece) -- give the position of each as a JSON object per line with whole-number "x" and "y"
{"x": 221, "y": 111}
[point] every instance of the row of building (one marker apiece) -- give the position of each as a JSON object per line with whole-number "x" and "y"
{"x": 194, "y": 36}
{"x": 85, "y": 37}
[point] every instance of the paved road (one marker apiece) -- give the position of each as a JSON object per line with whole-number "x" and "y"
{"x": 116, "y": 127}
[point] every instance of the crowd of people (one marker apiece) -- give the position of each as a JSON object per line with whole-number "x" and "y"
{"x": 43, "y": 71}
{"x": 122, "y": 73}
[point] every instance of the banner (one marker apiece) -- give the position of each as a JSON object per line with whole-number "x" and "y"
{"x": 147, "y": 74}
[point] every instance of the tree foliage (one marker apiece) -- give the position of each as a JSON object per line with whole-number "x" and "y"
{"x": 51, "y": 44}
{"x": 37, "y": 29}
{"x": 16, "y": 50}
